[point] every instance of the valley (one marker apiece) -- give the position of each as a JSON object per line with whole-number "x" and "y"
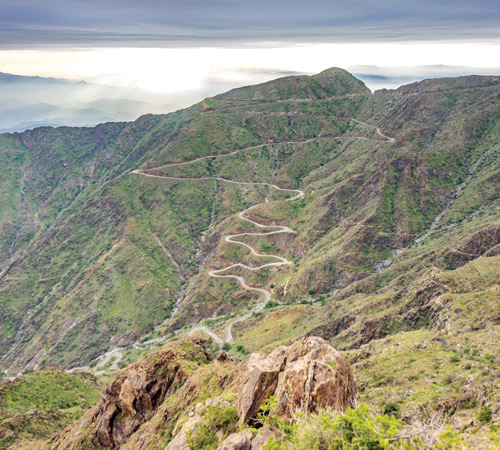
{"x": 228, "y": 335}
{"x": 302, "y": 208}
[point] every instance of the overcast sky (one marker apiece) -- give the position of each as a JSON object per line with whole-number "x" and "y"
{"x": 144, "y": 23}
{"x": 169, "y": 45}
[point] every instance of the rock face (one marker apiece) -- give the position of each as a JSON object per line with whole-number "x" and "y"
{"x": 307, "y": 376}
{"x": 128, "y": 401}
{"x": 259, "y": 383}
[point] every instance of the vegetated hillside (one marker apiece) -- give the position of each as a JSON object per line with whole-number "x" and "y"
{"x": 395, "y": 245}
{"x": 36, "y": 404}
{"x": 187, "y": 395}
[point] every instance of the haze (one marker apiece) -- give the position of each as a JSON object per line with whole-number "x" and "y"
{"x": 173, "y": 53}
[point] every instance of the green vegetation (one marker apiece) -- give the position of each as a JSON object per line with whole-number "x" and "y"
{"x": 36, "y": 404}
{"x": 357, "y": 429}
{"x": 93, "y": 255}
{"x": 215, "y": 418}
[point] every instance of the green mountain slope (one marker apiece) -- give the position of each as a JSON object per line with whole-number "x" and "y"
{"x": 400, "y": 197}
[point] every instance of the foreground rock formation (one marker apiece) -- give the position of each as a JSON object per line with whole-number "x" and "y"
{"x": 158, "y": 400}
{"x": 307, "y": 376}
{"x": 129, "y": 400}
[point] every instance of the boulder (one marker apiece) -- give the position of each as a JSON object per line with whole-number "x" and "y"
{"x": 238, "y": 441}
{"x": 307, "y": 376}
{"x": 262, "y": 436}
{"x": 315, "y": 376}
{"x": 179, "y": 442}
{"x": 259, "y": 382}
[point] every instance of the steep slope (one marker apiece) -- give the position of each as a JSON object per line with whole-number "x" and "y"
{"x": 389, "y": 181}
{"x": 36, "y": 404}
{"x": 301, "y": 396}
{"x": 154, "y": 402}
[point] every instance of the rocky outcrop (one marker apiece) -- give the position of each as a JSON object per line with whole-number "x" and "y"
{"x": 333, "y": 327}
{"x": 259, "y": 382}
{"x": 484, "y": 242}
{"x": 130, "y": 400}
{"x": 307, "y": 376}
{"x": 173, "y": 393}
{"x": 179, "y": 442}
{"x": 315, "y": 376}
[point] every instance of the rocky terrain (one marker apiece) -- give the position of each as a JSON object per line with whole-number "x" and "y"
{"x": 306, "y": 206}
{"x": 163, "y": 391}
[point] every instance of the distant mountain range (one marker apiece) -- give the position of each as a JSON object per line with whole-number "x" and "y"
{"x": 28, "y": 102}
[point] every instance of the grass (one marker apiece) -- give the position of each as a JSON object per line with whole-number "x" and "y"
{"x": 35, "y": 405}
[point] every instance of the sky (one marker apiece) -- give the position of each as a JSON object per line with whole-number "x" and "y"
{"x": 175, "y": 46}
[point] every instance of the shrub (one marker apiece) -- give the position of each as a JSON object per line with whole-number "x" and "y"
{"x": 392, "y": 409}
{"x": 485, "y": 414}
{"x": 271, "y": 304}
{"x": 215, "y": 418}
{"x": 122, "y": 364}
{"x": 356, "y": 429}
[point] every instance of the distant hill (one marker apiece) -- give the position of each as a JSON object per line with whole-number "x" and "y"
{"x": 28, "y": 102}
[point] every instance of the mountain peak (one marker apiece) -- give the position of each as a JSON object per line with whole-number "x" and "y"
{"x": 328, "y": 83}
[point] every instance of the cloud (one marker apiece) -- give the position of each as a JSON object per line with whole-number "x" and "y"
{"x": 376, "y": 77}
{"x": 164, "y": 23}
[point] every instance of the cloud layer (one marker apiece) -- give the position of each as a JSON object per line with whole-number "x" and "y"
{"x": 164, "y": 23}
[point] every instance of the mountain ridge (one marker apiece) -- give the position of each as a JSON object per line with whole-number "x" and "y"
{"x": 390, "y": 242}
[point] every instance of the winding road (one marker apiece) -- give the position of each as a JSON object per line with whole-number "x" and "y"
{"x": 233, "y": 238}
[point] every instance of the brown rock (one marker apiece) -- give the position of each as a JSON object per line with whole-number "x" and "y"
{"x": 307, "y": 376}
{"x": 261, "y": 438}
{"x": 259, "y": 382}
{"x": 238, "y": 441}
{"x": 129, "y": 400}
{"x": 179, "y": 442}
{"x": 316, "y": 375}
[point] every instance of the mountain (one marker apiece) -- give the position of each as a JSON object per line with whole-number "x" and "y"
{"x": 29, "y": 102}
{"x": 305, "y": 206}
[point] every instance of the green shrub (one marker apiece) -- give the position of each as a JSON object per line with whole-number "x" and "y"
{"x": 485, "y": 414}
{"x": 122, "y": 364}
{"x": 271, "y": 304}
{"x": 356, "y": 429}
{"x": 215, "y": 418}
{"x": 392, "y": 409}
